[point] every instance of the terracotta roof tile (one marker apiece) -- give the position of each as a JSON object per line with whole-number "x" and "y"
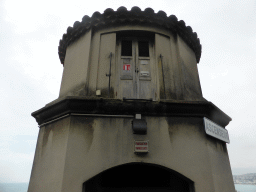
{"x": 134, "y": 16}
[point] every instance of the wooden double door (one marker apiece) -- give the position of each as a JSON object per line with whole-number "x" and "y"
{"x": 136, "y": 68}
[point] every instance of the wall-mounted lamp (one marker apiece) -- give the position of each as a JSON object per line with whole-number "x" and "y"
{"x": 139, "y": 126}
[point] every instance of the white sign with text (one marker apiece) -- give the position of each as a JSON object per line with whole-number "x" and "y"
{"x": 140, "y": 146}
{"x": 215, "y": 130}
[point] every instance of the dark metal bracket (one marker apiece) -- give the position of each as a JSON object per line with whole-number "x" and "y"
{"x": 132, "y": 99}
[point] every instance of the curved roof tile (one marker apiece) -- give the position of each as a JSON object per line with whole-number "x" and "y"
{"x": 135, "y": 16}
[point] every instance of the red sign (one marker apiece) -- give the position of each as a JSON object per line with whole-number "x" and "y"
{"x": 126, "y": 67}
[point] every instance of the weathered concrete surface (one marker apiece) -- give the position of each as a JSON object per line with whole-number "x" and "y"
{"x": 76, "y": 67}
{"x": 189, "y": 72}
{"x": 76, "y": 148}
{"x": 87, "y": 62}
{"x": 92, "y": 105}
{"x": 49, "y": 160}
{"x": 81, "y": 134}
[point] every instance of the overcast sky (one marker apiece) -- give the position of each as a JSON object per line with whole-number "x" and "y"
{"x": 31, "y": 71}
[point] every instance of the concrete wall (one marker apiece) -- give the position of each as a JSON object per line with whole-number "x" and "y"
{"x": 162, "y": 45}
{"x": 220, "y": 166}
{"x": 87, "y": 63}
{"x": 76, "y": 67}
{"x": 81, "y": 147}
{"x": 76, "y": 148}
{"x": 107, "y": 46}
{"x": 49, "y": 160}
{"x": 189, "y": 72}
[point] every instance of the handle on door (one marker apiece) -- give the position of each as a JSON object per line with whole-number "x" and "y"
{"x": 137, "y": 70}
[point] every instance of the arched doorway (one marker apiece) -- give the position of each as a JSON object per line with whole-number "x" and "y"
{"x": 139, "y": 177}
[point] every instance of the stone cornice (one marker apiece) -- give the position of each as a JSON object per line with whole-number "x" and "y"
{"x": 136, "y": 17}
{"x": 84, "y": 105}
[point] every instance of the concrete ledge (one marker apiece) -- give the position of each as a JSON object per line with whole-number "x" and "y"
{"x": 85, "y": 105}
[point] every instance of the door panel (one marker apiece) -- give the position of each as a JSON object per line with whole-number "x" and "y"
{"x": 127, "y": 68}
{"x": 128, "y": 89}
{"x": 136, "y": 63}
{"x": 145, "y": 90}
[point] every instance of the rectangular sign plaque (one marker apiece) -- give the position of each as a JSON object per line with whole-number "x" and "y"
{"x": 215, "y": 130}
{"x": 126, "y": 67}
{"x": 140, "y": 146}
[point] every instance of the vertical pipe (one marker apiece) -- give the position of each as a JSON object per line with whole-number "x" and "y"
{"x": 109, "y": 74}
{"x": 161, "y": 57}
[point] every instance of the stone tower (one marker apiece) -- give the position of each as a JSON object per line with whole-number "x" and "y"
{"x": 130, "y": 114}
